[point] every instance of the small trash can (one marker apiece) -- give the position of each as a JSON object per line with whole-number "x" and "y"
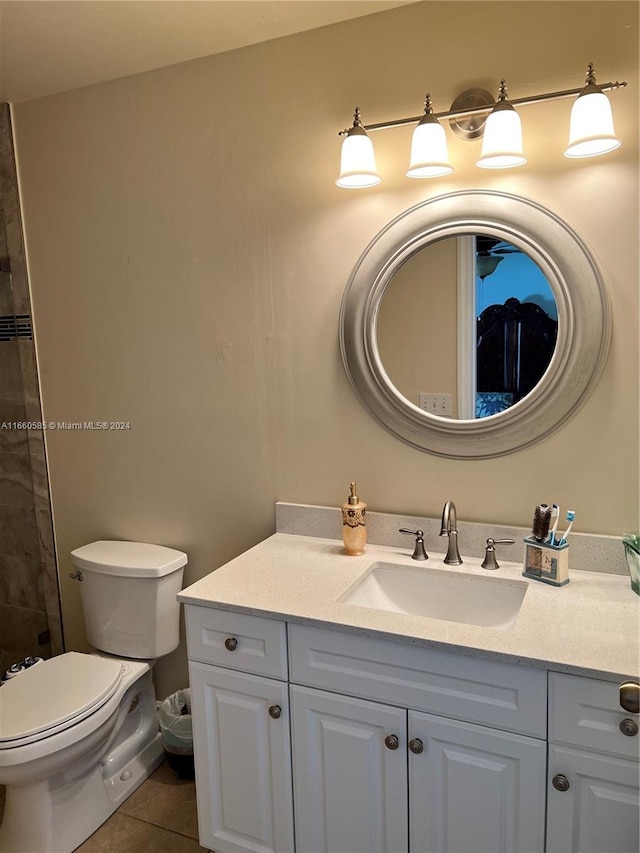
{"x": 174, "y": 719}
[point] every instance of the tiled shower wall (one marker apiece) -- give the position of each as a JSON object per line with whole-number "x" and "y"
{"x": 30, "y": 621}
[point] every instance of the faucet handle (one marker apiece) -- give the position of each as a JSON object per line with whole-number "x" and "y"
{"x": 490, "y": 561}
{"x": 419, "y": 552}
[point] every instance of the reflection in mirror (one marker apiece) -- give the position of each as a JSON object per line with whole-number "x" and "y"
{"x": 480, "y": 288}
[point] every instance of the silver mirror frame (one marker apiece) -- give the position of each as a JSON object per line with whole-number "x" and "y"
{"x": 584, "y": 323}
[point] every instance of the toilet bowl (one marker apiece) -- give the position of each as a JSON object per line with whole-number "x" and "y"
{"x": 78, "y": 732}
{"x": 68, "y": 768}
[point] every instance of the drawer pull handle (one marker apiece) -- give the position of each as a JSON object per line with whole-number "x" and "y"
{"x": 630, "y": 697}
{"x": 231, "y": 644}
{"x": 275, "y": 712}
{"x": 416, "y": 746}
{"x": 561, "y": 783}
{"x": 629, "y": 728}
{"x": 391, "y": 742}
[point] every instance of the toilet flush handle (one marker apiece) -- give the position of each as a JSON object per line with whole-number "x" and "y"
{"x": 76, "y": 576}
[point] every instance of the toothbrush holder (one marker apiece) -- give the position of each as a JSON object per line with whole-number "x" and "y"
{"x": 545, "y": 562}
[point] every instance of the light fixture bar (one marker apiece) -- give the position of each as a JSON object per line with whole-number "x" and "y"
{"x": 487, "y": 108}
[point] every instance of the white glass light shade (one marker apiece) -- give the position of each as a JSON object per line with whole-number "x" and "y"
{"x": 357, "y": 162}
{"x": 591, "y": 127}
{"x": 502, "y": 141}
{"x": 429, "y": 156}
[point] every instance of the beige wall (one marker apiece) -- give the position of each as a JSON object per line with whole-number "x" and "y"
{"x": 188, "y": 251}
{"x": 417, "y": 322}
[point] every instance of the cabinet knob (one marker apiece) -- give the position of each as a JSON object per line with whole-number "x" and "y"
{"x": 391, "y": 742}
{"x": 416, "y": 746}
{"x": 231, "y": 644}
{"x": 630, "y": 697}
{"x": 275, "y": 712}
{"x": 560, "y": 782}
{"x": 629, "y": 727}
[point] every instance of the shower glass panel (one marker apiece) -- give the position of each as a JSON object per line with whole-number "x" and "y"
{"x": 29, "y": 594}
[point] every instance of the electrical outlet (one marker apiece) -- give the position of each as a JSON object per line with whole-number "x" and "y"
{"x": 435, "y": 404}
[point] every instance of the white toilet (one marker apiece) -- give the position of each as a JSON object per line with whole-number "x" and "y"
{"x": 78, "y": 732}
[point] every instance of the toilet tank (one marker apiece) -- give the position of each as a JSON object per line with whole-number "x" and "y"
{"x": 128, "y": 594}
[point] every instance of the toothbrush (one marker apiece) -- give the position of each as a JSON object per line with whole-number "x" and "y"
{"x": 570, "y": 516}
{"x": 555, "y": 513}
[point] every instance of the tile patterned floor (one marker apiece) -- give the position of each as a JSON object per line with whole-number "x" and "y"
{"x": 160, "y": 817}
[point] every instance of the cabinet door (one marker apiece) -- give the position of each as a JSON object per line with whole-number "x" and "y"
{"x": 243, "y": 761}
{"x": 474, "y": 789}
{"x": 598, "y": 812}
{"x": 350, "y": 788}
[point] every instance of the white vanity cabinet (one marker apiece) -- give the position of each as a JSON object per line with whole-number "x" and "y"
{"x": 360, "y": 743}
{"x": 594, "y": 774}
{"x": 393, "y": 781}
{"x": 241, "y": 731}
{"x": 395, "y": 778}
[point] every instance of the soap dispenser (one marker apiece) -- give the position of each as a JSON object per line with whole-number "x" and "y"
{"x": 354, "y": 524}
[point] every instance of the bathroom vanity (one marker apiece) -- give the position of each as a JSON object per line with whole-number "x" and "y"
{"x": 324, "y": 725}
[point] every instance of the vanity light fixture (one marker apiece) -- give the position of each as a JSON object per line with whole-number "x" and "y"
{"x": 474, "y": 113}
{"x": 429, "y": 155}
{"x": 357, "y": 162}
{"x": 502, "y": 139}
{"x": 591, "y": 125}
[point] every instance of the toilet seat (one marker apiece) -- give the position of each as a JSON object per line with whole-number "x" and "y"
{"x": 55, "y": 695}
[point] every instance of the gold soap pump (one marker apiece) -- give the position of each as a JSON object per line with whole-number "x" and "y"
{"x": 354, "y": 524}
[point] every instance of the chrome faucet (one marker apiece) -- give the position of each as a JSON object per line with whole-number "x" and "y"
{"x": 449, "y": 527}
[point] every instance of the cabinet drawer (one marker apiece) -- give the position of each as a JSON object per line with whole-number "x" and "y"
{"x": 236, "y": 640}
{"x": 492, "y": 693}
{"x": 586, "y": 712}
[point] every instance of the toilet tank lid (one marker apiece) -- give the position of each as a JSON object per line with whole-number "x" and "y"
{"x": 133, "y": 559}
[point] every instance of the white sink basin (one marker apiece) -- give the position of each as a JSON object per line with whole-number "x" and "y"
{"x": 445, "y": 594}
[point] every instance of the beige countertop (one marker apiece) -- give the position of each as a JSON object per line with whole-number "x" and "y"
{"x": 591, "y": 626}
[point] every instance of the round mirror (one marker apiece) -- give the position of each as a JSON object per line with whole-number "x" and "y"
{"x": 474, "y": 324}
